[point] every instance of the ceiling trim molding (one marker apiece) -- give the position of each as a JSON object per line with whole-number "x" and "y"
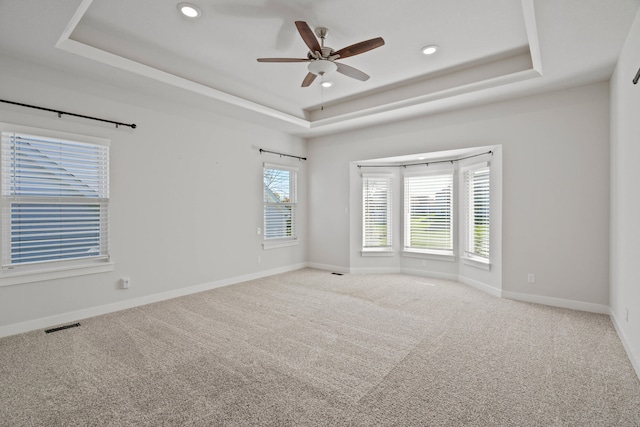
{"x": 122, "y": 63}
{"x": 532, "y": 34}
{"x": 421, "y": 104}
{"x": 66, "y": 43}
{"x": 451, "y": 83}
{"x": 314, "y": 122}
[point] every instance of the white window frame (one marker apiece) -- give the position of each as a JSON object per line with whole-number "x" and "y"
{"x": 382, "y": 204}
{"x": 408, "y": 250}
{"x": 472, "y": 255}
{"x": 13, "y": 274}
{"x": 291, "y": 205}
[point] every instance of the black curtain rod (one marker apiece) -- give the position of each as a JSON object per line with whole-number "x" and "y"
{"x": 60, "y": 113}
{"x": 425, "y": 163}
{"x": 282, "y": 154}
{"x": 635, "y": 79}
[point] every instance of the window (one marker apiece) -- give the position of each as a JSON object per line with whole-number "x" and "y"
{"x": 428, "y": 211}
{"x": 55, "y": 200}
{"x": 376, "y": 210}
{"x": 280, "y": 194}
{"x": 477, "y": 191}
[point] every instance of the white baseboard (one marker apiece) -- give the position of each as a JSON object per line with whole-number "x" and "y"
{"x": 430, "y": 274}
{"x": 557, "y": 302}
{"x": 481, "y": 286}
{"x": 634, "y": 356}
{"x": 327, "y": 267}
{"x": 74, "y": 316}
{"x": 381, "y": 270}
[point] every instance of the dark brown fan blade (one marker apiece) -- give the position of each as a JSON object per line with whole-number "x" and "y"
{"x": 283, "y": 60}
{"x": 308, "y": 80}
{"x": 307, "y": 35}
{"x": 352, "y": 72}
{"x": 358, "y": 48}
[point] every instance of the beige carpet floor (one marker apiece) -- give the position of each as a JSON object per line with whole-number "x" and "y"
{"x": 309, "y": 348}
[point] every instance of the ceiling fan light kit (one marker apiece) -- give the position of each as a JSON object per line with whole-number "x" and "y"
{"x": 322, "y": 59}
{"x": 322, "y": 67}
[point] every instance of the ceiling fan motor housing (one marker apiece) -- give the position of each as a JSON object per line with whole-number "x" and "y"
{"x": 325, "y": 53}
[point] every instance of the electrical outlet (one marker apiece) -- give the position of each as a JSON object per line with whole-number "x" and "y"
{"x": 125, "y": 282}
{"x": 531, "y": 278}
{"x": 626, "y": 314}
{"x": 259, "y": 259}
{"x": 424, "y": 262}
{"x": 259, "y": 231}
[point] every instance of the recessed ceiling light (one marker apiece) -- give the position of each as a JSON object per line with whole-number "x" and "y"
{"x": 327, "y": 84}
{"x": 429, "y": 49}
{"x": 189, "y": 10}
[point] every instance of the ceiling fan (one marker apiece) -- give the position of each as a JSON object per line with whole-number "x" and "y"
{"x": 322, "y": 59}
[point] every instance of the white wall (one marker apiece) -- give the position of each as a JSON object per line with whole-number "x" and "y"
{"x": 555, "y": 218}
{"x": 625, "y": 196}
{"x": 186, "y": 197}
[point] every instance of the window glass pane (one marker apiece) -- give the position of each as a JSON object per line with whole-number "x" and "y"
{"x": 279, "y": 197}
{"x": 277, "y": 188}
{"x": 46, "y": 232}
{"x": 41, "y": 167}
{"x": 478, "y": 212}
{"x": 376, "y": 194}
{"x": 55, "y": 199}
{"x": 428, "y": 213}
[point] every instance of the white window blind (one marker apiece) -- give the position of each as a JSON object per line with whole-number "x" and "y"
{"x": 428, "y": 213}
{"x": 376, "y": 201}
{"x": 280, "y": 202}
{"x": 55, "y": 200}
{"x": 477, "y": 210}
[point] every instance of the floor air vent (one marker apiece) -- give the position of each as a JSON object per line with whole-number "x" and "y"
{"x": 60, "y": 328}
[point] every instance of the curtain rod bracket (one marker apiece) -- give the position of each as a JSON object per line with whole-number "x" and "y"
{"x": 635, "y": 79}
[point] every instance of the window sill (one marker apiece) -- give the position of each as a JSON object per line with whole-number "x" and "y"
{"x": 377, "y": 252}
{"x": 279, "y": 244}
{"x": 8, "y": 278}
{"x": 429, "y": 255}
{"x": 477, "y": 262}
